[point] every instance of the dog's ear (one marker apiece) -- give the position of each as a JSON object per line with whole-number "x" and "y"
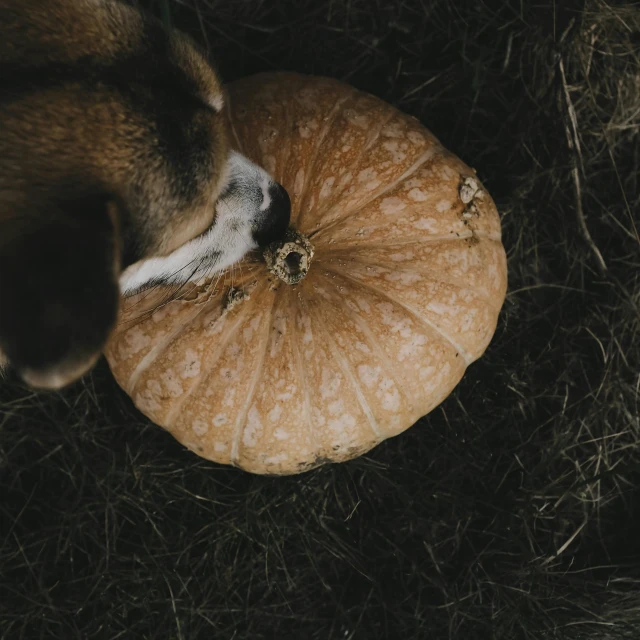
{"x": 59, "y": 267}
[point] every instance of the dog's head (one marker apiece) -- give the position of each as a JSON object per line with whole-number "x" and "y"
{"x": 251, "y": 212}
{"x": 114, "y": 151}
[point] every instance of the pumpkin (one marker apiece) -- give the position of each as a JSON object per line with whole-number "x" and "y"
{"x": 347, "y": 334}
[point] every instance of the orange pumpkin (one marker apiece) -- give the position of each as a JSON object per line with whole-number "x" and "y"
{"x": 406, "y": 277}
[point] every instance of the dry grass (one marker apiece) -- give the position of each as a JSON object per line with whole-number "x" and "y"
{"x": 513, "y": 510}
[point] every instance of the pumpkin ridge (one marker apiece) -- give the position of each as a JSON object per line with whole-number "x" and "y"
{"x": 344, "y": 365}
{"x": 425, "y": 157}
{"x": 302, "y": 377}
{"x": 465, "y": 355}
{"x": 338, "y": 248}
{"x": 320, "y": 211}
{"x": 242, "y": 415}
{"x": 203, "y": 375}
{"x": 455, "y": 282}
{"x": 296, "y": 216}
{"x": 327, "y": 250}
{"x": 479, "y": 233}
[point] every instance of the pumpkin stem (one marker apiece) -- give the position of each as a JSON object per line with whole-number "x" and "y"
{"x": 290, "y": 258}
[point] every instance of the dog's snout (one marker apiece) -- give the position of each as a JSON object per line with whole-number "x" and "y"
{"x": 274, "y": 221}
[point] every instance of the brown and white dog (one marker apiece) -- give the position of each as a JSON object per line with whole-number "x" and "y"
{"x": 114, "y": 160}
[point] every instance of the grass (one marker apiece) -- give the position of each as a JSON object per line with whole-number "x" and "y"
{"x": 513, "y": 510}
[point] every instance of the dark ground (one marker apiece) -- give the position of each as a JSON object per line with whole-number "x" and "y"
{"x": 513, "y": 510}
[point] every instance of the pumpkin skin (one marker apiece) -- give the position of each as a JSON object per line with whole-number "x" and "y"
{"x": 403, "y": 292}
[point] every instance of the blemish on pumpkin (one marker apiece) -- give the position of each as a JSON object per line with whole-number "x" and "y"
{"x": 253, "y": 428}
{"x": 146, "y": 401}
{"x": 326, "y": 187}
{"x": 415, "y": 137}
{"x": 164, "y": 311}
{"x": 278, "y": 458}
{"x": 390, "y": 396}
{"x": 298, "y": 182}
{"x": 171, "y": 383}
{"x": 276, "y": 413}
{"x": 367, "y": 175}
{"x": 136, "y": 340}
{"x": 342, "y": 424}
{"x": 426, "y": 224}
{"x": 368, "y": 375}
{"x": 361, "y": 346}
{"x": 393, "y": 130}
{"x": 330, "y": 383}
{"x": 220, "y": 419}
{"x": 402, "y": 257}
{"x": 468, "y": 189}
{"x": 191, "y": 364}
{"x": 392, "y": 205}
{"x": 336, "y": 407}
{"x": 355, "y": 118}
{"x": 200, "y": 427}
{"x": 234, "y": 296}
{"x": 393, "y": 148}
{"x": 281, "y": 434}
{"x": 470, "y": 211}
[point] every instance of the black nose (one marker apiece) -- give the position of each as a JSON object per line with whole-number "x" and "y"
{"x": 274, "y": 221}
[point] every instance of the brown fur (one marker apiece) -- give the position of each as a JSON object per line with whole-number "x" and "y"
{"x": 112, "y": 150}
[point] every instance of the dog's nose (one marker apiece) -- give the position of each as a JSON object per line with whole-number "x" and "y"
{"x": 274, "y": 222}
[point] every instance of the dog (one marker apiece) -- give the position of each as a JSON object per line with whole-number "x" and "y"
{"x": 115, "y": 172}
